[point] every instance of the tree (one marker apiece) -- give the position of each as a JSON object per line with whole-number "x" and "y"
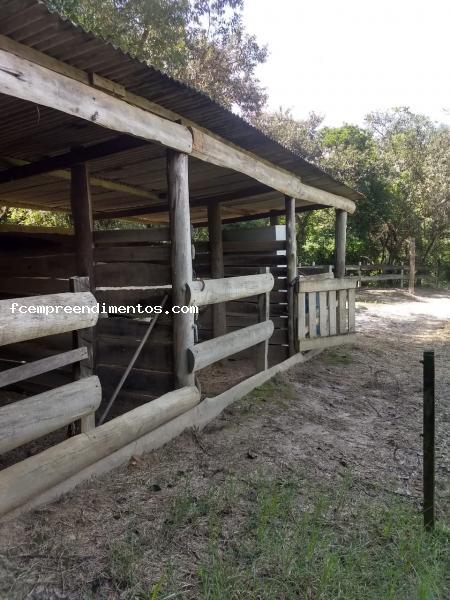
{"x": 301, "y": 136}
{"x": 202, "y": 42}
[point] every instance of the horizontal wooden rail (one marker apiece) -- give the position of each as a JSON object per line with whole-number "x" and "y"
{"x": 326, "y": 285}
{"x": 19, "y": 327}
{"x": 387, "y": 277}
{"x": 214, "y": 291}
{"x": 29, "y": 419}
{"x": 38, "y": 367}
{"x": 211, "y": 351}
{"x": 132, "y": 236}
{"x": 33, "y": 476}
{"x": 321, "y": 343}
{"x": 376, "y": 267}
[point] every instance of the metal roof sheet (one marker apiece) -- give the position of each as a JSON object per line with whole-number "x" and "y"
{"x": 30, "y": 22}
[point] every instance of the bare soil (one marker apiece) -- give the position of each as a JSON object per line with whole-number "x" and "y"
{"x": 354, "y": 409}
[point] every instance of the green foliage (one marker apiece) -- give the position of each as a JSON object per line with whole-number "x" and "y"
{"x": 203, "y": 42}
{"x": 400, "y": 162}
{"x": 43, "y": 218}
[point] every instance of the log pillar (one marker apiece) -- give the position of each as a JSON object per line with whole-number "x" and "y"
{"x": 274, "y": 219}
{"x": 219, "y": 323}
{"x": 291, "y": 255}
{"x": 181, "y": 259}
{"x": 340, "y": 243}
{"x": 83, "y": 223}
{"x": 412, "y": 265}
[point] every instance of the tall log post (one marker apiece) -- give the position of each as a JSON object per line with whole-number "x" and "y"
{"x": 274, "y": 219}
{"x": 291, "y": 255}
{"x": 217, "y": 268}
{"x": 340, "y": 243}
{"x": 83, "y": 223}
{"x": 180, "y": 232}
{"x": 412, "y": 265}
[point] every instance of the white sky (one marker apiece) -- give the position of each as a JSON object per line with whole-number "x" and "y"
{"x": 346, "y": 58}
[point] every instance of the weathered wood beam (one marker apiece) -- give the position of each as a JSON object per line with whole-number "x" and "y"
{"x": 340, "y": 243}
{"x": 44, "y": 365}
{"x": 225, "y": 154}
{"x": 265, "y": 215}
{"x": 262, "y": 350}
{"x": 206, "y": 353}
{"x": 162, "y": 207}
{"x": 83, "y": 224}
{"x": 322, "y": 343}
{"x": 33, "y": 322}
{"x": 29, "y": 81}
{"x": 217, "y": 266}
{"x": 180, "y": 228}
{"x": 22, "y": 78}
{"x": 291, "y": 255}
{"x": 29, "y": 419}
{"x": 68, "y": 159}
{"x": 213, "y": 291}
{"x": 99, "y": 182}
{"x": 326, "y": 285}
{"x": 28, "y": 478}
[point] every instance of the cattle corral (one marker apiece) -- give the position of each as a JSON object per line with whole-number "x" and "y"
{"x": 99, "y": 135}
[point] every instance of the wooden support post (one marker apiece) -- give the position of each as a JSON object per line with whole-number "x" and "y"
{"x": 428, "y": 439}
{"x": 412, "y": 265}
{"x": 340, "y": 242}
{"x": 217, "y": 269}
{"x": 291, "y": 254}
{"x": 180, "y": 230}
{"x": 83, "y": 338}
{"x": 274, "y": 219}
{"x": 83, "y": 224}
{"x": 262, "y": 352}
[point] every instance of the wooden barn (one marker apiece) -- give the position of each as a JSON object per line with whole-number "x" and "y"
{"x": 90, "y": 131}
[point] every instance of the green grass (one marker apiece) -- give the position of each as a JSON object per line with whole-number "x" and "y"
{"x": 336, "y": 357}
{"x": 276, "y": 392}
{"x": 281, "y": 538}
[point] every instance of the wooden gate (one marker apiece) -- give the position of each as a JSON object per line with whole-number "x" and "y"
{"x": 326, "y": 312}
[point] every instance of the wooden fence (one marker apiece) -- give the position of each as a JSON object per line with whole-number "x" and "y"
{"x": 31, "y": 418}
{"x": 215, "y": 291}
{"x": 131, "y": 268}
{"x": 249, "y": 257}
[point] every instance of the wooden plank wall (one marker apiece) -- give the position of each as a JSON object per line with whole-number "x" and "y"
{"x": 248, "y": 258}
{"x": 41, "y": 263}
{"x": 133, "y": 258}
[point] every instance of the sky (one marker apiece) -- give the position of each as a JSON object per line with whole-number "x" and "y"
{"x": 343, "y": 59}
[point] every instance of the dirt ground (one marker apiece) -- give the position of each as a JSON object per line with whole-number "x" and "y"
{"x": 354, "y": 409}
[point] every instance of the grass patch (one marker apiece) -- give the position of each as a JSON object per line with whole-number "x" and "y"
{"x": 280, "y": 538}
{"x": 336, "y": 357}
{"x": 276, "y": 392}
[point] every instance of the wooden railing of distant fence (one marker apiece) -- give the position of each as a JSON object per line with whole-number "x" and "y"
{"x": 378, "y": 272}
{"x": 372, "y": 273}
{"x": 326, "y": 312}
{"x": 214, "y": 291}
{"x": 33, "y": 417}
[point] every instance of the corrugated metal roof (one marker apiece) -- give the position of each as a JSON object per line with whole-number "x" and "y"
{"x": 30, "y": 22}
